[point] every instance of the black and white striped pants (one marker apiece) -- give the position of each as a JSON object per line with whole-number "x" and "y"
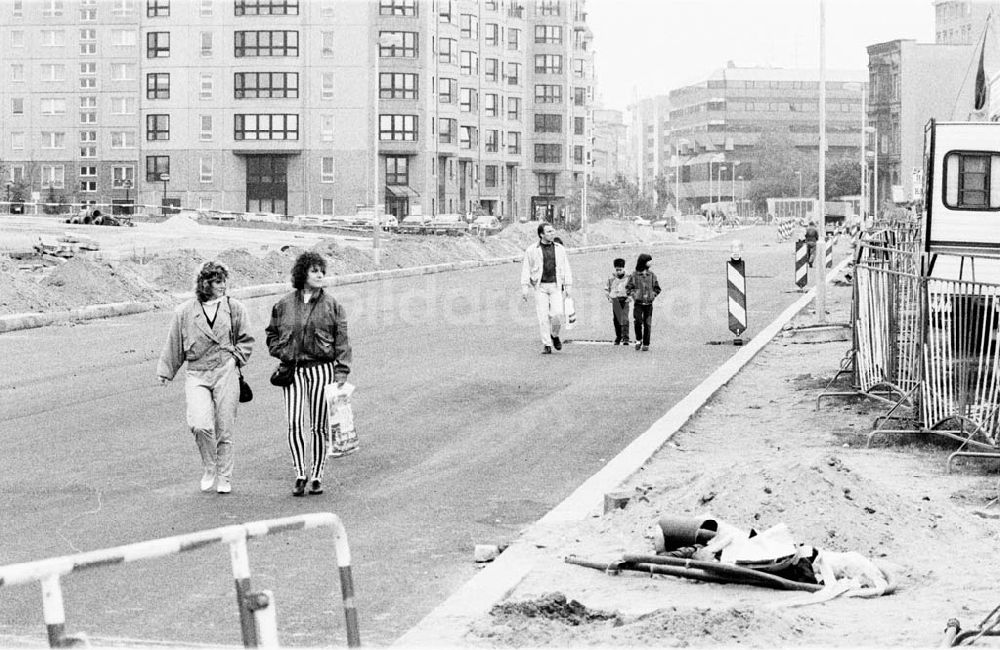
{"x": 309, "y": 385}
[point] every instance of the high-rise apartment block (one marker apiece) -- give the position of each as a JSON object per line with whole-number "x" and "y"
{"x": 270, "y": 105}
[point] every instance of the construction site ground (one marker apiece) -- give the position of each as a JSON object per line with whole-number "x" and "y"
{"x": 759, "y": 453}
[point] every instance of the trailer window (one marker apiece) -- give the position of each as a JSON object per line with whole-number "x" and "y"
{"x": 972, "y": 180}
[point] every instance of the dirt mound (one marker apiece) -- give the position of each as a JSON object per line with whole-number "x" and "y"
{"x": 554, "y": 607}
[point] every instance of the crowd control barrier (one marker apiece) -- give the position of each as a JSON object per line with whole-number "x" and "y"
{"x": 256, "y": 612}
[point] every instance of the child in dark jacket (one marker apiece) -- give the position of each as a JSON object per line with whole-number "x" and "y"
{"x": 643, "y": 288}
{"x": 618, "y": 297}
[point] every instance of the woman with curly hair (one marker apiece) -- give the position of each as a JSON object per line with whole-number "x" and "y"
{"x": 211, "y": 333}
{"x": 308, "y": 331}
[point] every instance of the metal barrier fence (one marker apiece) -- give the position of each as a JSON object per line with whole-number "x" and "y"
{"x": 256, "y": 610}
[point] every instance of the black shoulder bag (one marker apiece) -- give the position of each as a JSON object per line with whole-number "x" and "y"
{"x": 246, "y": 393}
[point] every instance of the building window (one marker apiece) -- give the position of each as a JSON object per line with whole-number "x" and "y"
{"x": 17, "y": 72}
{"x": 548, "y": 153}
{"x": 578, "y": 154}
{"x": 206, "y": 130}
{"x": 548, "y": 123}
{"x": 157, "y": 8}
{"x": 17, "y": 140}
{"x": 52, "y": 8}
{"x": 514, "y": 142}
{"x": 53, "y": 140}
{"x": 492, "y": 104}
{"x": 492, "y": 143}
{"x": 88, "y": 75}
{"x": 123, "y": 71}
{"x": 326, "y": 170}
{"x": 491, "y": 34}
{"x": 548, "y": 94}
{"x": 446, "y": 130}
{"x": 206, "y": 43}
{"x": 470, "y": 63}
{"x": 267, "y": 8}
{"x": 490, "y": 175}
{"x": 513, "y": 38}
{"x": 492, "y": 69}
{"x": 549, "y": 8}
{"x": 206, "y": 86}
{"x": 470, "y": 26}
{"x": 397, "y": 7}
{"x": 88, "y": 110}
{"x": 17, "y": 38}
{"x": 206, "y": 8}
{"x": 548, "y": 34}
{"x": 206, "y": 170}
{"x": 53, "y": 72}
{"x": 466, "y": 137}
{"x": 513, "y": 108}
{"x": 88, "y": 144}
{"x": 467, "y": 100}
{"x": 397, "y": 127}
{"x": 17, "y": 173}
{"x": 53, "y": 176}
{"x": 397, "y": 85}
{"x": 446, "y": 12}
{"x": 548, "y": 64}
{"x": 157, "y": 45}
{"x": 447, "y": 89}
{"x": 17, "y": 106}
{"x": 326, "y": 207}
{"x": 53, "y": 106}
{"x": 123, "y": 139}
{"x": 397, "y": 170}
{"x": 513, "y": 74}
{"x": 122, "y": 173}
{"x": 88, "y": 42}
{"x": 579, "y": 96}
{"x": 88, "y": 178}
{"x": 266, "y": 43}
{"x": 328, "y": 85}
{"x": 158, "y": 85}
{"x": 156, "y": 166}
{"x": 265, "y": 85}
{"x": 327, "y": 41}
{"x": 447, "y": 50}
{"x": 970, "y": 181}
{"x": 326, "y": 128}
{"x": 123, "y": 37}
{"x": 398, "y": 45}
{"x": 577, "y": 126}
{"x": 157, "y": 127}
{"x": 52, "y": 38}
{"x": 123, "y": 105}
{"x": 546, "y": 184}
{"x": 578, "y": 69}
{"x": 266, "y": 126}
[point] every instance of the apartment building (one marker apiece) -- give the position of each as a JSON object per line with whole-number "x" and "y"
{"x": 610, "y": 150}
{"x": 910, "y": 83}
{"x": 715, "y": 125}
{"x": 961, "y": 22}
{"x": 649, "y": 131}
{"x": 299, "y": 106}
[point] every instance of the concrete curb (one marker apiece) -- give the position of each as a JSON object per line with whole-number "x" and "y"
{"x": 448, "y": 623}
{"x": 15, "y": 322}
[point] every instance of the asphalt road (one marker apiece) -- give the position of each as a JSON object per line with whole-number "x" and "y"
{"x": 467, "y": 432}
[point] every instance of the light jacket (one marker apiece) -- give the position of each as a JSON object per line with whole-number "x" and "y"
{"x": 616, "y": 287}
{"x": 531, "y": 267}
{"x": 643, "y": 287}
{"x": 203, "y": 347}
{"x": 310, "y": 333}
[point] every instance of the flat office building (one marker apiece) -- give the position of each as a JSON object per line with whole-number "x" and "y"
{"x": 269, "y": 105}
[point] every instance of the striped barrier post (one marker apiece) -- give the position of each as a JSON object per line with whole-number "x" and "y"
{"x": 829, "y": 254}
{"x": 48, "y": 572}
{"x": 737, "y": 288}
{"x": 801, "y": 264}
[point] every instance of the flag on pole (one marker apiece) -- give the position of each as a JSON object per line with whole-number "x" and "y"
{"x": 980, "y": 101}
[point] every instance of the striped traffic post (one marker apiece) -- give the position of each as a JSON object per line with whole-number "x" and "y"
{"x": 829, "y": 254}
{"x": 737, "y": 289}
{"x": 801, "y": 264}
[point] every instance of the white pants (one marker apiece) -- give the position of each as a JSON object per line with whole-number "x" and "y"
{"x": 549, "y": 309}
{"x": 212, "y": 397}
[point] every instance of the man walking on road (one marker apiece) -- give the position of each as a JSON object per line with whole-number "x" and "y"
{"x": 546, "y": 271}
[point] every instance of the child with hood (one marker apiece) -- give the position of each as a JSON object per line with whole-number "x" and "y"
{"x": 643, "y": 288}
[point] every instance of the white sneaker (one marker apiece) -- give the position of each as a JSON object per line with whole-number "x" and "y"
{"x": 224, "y": 486}
{"x": 207, "y": 480}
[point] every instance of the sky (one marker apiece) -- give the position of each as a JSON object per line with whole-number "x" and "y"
{"x": 657, "y": 45}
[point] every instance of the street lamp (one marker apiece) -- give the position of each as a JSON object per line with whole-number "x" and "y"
{"x": 740, "y": 207}
{"x": 718, "y": 181}
{"x": 164, "y": 176}
{"x": 380, "y": 42}
{"x": 127, "y": 184}
{"x": 798, "y": 202}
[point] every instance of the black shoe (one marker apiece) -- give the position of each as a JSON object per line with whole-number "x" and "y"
{"x": 547, "y": 349}
{"x": 617, "y": 342}
{"x": 300, "y": 487}
{"x": 556, "y": 343}
{"x": 626, "y": 343}
{"x": 638, "y": 346}
{"x": 316, "y": 487}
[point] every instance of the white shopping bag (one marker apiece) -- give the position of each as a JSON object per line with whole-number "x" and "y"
{"x": 341, "y": 433}
{"x": 570, "y": 310}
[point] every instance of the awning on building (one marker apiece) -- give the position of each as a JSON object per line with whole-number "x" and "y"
{"x": 704, "y": 159}
{"x": 489, "y": 198}
{"x": 402, "y": 191}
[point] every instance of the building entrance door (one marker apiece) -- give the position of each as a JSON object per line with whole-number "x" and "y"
{"x": 267, "y": 184}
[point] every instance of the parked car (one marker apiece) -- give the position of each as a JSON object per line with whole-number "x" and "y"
{"x": 415, "y": 223}
{"x": 486, "y": 224}
{"x": 448, "y": 223}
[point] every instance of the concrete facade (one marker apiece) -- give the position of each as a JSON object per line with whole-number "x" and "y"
{"x": 960, "y": 22}
{"x": 610, "y": 146}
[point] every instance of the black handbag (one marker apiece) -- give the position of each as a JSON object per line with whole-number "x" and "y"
{"x": 283, "y": 375}
{"x": 246, "y": 393}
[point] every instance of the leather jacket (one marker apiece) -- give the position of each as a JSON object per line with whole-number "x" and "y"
{"x": 308, "y": 334}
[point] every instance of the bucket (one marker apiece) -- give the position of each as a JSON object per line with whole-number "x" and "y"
{"x": 675, "y": 532}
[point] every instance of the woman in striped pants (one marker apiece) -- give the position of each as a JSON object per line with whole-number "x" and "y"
{"x": 308, "y": 330}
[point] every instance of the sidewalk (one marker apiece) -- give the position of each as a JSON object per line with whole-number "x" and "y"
{"x": 756, "y": 454}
